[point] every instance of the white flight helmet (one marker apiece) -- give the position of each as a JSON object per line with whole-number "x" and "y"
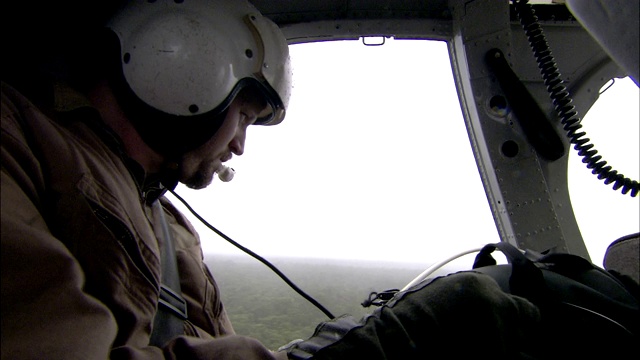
{"x": 191, "y": 57}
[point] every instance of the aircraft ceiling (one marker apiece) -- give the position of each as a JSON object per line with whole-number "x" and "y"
{"x": 335, "y": 19}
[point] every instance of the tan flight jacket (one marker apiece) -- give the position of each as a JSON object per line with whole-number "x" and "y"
{"x": 80, "y": 259}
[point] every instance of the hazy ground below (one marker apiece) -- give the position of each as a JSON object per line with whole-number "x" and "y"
{"x": 263, "y": 306}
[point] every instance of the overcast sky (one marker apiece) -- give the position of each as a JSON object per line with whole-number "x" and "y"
{"x": 337, "y": 180}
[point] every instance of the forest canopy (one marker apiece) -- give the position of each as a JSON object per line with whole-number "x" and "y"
{"x": 263, "y": 306}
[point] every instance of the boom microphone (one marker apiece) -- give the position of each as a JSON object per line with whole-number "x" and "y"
{"x": 226, "y": 174}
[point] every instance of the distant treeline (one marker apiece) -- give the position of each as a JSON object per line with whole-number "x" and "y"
{"x": 263, "y": 306}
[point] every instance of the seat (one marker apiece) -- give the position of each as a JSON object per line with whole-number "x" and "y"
{"x": 623, "y": 257}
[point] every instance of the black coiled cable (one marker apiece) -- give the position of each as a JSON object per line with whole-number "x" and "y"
{"x": 563, "y": 103}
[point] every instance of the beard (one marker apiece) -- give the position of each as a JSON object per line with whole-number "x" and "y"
{"x": 200, "y": 179}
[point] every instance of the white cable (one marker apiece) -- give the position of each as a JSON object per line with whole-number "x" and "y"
{"x": 433, "y": 268}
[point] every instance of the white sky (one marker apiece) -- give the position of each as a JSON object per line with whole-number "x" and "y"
{"x": 373, "y": 162}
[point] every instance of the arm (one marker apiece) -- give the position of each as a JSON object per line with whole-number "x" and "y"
{"x": 45, "y": 313}
{"x": 460, "y": 316}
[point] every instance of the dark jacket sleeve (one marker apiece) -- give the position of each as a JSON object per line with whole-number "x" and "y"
{"x": 460, "y": 316}
{"x": 45, "y": 313}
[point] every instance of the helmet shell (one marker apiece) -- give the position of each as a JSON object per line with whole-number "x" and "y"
{"x": 192, "y": 57}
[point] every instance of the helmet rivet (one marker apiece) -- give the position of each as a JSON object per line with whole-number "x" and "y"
{"x": 193, "y": 108}
{"x": 249, "y": 53}
{"x": 126, "y": 58}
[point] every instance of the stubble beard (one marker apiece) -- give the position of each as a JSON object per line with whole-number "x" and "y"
{"x": 200, "y": 179}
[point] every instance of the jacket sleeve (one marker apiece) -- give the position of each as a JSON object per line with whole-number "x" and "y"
{"x": 460, "y": 316}
{"x": 233, "y": 347}
{"x": 198, "y": 286}
{"x": 45, "y": 313}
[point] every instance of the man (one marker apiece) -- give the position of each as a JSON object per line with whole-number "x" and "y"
{"x": 98, "y": 264}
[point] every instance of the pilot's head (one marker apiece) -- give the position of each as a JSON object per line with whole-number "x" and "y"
{"x": 180, "y": 65}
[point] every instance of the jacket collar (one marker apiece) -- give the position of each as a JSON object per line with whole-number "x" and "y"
{"x": 71, "y": 105}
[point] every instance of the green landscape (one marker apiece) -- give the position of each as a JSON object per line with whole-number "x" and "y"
{"x": 263, "y": 306}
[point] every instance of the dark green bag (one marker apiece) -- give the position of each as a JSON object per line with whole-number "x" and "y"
{"x": 587, "y": 313}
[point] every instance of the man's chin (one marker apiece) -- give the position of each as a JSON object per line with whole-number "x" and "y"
{"x": 196, "y": 186}
{"x": 198, "y": 181}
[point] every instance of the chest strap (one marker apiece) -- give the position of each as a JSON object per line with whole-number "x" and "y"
{"x": 172, "y": 308}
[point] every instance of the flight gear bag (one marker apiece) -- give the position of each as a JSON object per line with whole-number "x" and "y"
{"x": 586, "y": 311}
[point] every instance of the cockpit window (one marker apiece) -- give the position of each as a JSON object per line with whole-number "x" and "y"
{"x": 368, "y": 181}
{"x": 604, "y": 215}
{"x": 373, "y": 162}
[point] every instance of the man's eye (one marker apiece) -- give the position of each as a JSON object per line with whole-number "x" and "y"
{"x": 247, "y": 119}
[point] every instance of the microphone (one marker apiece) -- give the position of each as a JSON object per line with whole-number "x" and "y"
{"x": 226, "y": 174}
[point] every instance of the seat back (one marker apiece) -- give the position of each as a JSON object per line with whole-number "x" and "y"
{"x": 623, "y": 257}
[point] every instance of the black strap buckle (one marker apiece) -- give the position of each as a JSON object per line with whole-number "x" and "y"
{"x": 173, "y": 302}
{"x": 379, "y": 299}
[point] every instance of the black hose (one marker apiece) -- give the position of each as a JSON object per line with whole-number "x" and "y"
{"x": 257, "y": 257}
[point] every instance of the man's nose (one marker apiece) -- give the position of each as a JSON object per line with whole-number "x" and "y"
{"x": 237, "y": 143}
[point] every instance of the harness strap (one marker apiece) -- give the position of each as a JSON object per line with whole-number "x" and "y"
{"x": 172, "y": 308}
{"x": 526, "y": 278}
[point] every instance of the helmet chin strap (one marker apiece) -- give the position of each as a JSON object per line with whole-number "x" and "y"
{"x": 157, "y": 184}
{"x": 170, "y": 174}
